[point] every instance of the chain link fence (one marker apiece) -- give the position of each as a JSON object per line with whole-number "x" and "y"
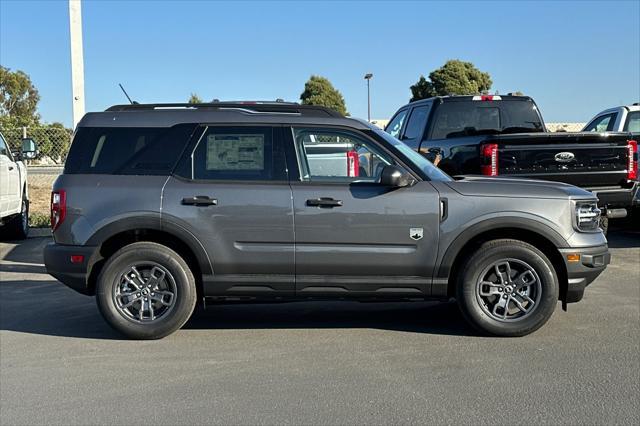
{"x": 53, "y": 143}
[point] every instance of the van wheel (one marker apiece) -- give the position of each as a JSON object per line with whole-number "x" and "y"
{"x": 146, "y": 291}
{"x": 18, "y": 226}
{"x": 507, "y": 288}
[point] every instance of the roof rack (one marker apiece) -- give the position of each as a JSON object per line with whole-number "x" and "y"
{"x": 246, "y": 107}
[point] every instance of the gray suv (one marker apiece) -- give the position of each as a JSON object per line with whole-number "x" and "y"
{"x": 161, "y": 206}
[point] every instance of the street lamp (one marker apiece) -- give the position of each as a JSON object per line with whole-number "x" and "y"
{"x": 368, "y": 77}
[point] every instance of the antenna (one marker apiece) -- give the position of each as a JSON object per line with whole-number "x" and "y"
{"x": 125, "y": 93}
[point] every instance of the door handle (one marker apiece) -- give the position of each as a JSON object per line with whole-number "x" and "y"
{"x": 324, "y": 202}
{"x": 10, "y": 167}
{"x": 199, "y": 200}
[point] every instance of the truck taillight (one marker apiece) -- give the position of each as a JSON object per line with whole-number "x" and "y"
{"x": 353, "y": 164}
{"x": 632, "y": 169}
{"x": 489, "y": 159}
{"x": 58, "y": 208}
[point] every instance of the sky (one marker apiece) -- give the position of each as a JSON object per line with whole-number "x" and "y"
{"x": 575, "y": 58}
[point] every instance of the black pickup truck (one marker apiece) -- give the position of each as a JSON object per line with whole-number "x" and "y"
{"x": 505, "y": 135}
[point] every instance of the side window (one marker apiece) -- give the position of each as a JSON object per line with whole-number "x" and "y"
{"x": 335, "y": 156}
{"x": 127, "y": 150}
{"x": 238, "y": 153}
{"x": 394, "y": 127}
{"x": 633, "y": 122}
{"x": 3, "y": 147}
{"x": 603, "y": 123}
{"x": 416, "y": 123}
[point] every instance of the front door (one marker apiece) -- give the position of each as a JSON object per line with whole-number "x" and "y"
{"x": 354, "y": 236}
{"x": 231, "y": 192}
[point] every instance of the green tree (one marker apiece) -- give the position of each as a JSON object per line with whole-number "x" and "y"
{"x": 319, "y": 91}
{"x": 18, "y": 99}
{"x": 455, "y": 77}
{"x": 195, "y": 99}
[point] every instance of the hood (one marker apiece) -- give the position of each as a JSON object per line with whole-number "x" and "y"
{"x": 482, "y": 186}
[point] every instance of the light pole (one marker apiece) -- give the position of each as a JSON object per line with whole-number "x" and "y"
{"x": 77, "y": 62}
{"x": 368, "y": 77}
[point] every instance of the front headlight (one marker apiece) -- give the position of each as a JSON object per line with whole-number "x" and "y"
{"x": 587, "y": 217}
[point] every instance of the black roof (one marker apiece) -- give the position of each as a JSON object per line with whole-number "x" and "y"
{"x": 169, "y": 114}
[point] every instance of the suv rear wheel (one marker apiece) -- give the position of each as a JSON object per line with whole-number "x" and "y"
{"x": 146, "y": 291}
{"x": 507, "y": 288}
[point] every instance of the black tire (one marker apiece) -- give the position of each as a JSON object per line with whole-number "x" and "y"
{"x": 604, "y": 224}
{"x": 474, "y": 308}
{"x": 17, "y": 227}
{"x": 135, "y": 254}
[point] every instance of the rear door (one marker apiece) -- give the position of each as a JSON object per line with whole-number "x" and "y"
{"x": 231, "y": 192}
{"x": 354, "y": 236}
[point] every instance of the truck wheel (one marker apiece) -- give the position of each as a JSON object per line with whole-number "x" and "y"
{"x": 18, "y": 226}
{"x": 146, "y": 291}
{"x": 507, "y": 288}
{"x": 604, "y": 224}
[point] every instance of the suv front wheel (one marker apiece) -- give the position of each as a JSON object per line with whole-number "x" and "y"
{"x": 146, "y": 291}
{"x": 507, "y": 288}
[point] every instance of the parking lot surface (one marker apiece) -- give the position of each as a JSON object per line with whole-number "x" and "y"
{"x": 317, "y": 363}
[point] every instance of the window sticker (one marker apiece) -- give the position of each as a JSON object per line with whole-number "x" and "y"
{"x": 235, "y": 152}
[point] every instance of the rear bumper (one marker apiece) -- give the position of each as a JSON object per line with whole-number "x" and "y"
{"x": 581, "y": 273}
{"x": 616, "y": 197}
{"x": 57, "y": 260}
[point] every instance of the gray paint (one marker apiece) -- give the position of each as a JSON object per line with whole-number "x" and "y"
{"x": 261, "y": 239}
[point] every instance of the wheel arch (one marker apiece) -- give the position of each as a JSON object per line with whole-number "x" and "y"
{"x": 116, "y": 235}
{"x": 538, "y": 235}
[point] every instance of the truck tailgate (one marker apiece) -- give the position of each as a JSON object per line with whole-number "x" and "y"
{"x": 583, "y": 159}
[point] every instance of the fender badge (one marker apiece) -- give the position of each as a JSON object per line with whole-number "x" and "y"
{"x": 416, "y": 233}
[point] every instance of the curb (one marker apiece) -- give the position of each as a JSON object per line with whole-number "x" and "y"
{"x": 39, "y": 232}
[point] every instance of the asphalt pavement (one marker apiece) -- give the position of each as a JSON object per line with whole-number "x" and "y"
{"x": 317, "y": 363}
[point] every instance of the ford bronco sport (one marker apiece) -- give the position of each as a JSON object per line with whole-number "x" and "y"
{"x": 160, "y": 206}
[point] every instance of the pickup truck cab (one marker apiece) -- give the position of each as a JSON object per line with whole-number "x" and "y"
{"x": 14, "y": 192}
{"x": 506, "y": 136}
{"x": 163, "y": 205}
{"x": 619, "y": 119}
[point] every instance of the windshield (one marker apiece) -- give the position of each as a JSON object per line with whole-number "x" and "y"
{"x": 432, "y": 172}
{"x": 459, "y": 119}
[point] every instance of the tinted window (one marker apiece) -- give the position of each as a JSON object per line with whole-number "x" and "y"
{"x": 604, "y": 123}
{"x": 127, "y": 150}
{"x": 633, "y": 122}
{"x": 327, "y": 155}
{"x": 416, "y": 123}
{"x": 468, "y": 118}
{"x": 394, "y": 127}
{"x": 237, "y": 153}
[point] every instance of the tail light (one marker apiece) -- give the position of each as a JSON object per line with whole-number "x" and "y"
{"x": 58, "y": 208}
{"x": 489, "y": 159}
{"x": 353, "y": 164}
{"x": 632, "y": 169}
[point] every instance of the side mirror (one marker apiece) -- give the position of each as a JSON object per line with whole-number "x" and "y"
{"x": 395, "y": 177}
{"x": 29, "y": 149}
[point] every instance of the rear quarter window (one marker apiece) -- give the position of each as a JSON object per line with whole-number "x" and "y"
{"x": 127, "y": 150}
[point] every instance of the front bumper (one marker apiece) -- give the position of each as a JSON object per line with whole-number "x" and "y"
{"x": 582, "y": 272}
{"x": 57, "y": 260}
